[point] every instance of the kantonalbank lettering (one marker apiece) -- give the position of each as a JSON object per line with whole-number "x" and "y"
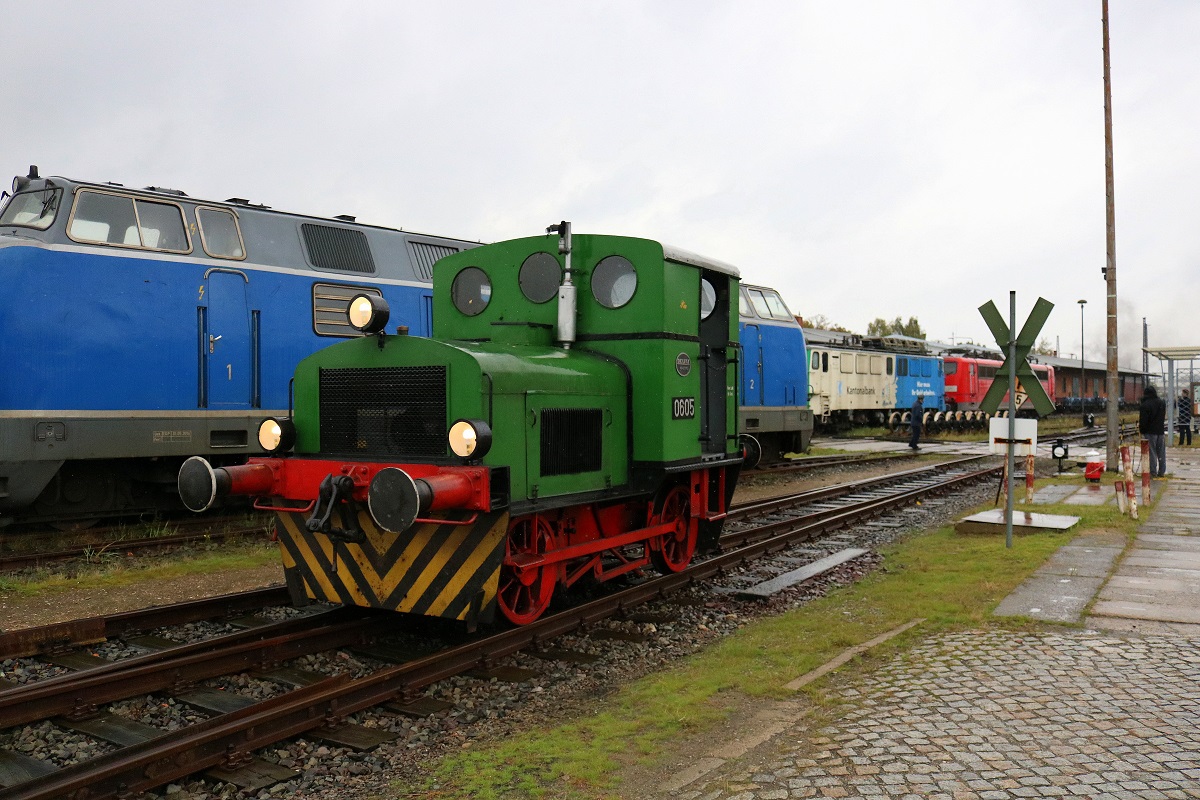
{"x": 860, "y": 390}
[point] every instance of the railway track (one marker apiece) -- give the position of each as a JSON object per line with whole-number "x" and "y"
{"x": 140, "y": 757}
{"x": 32, "y": 550}
{"x": 817, "y": 462}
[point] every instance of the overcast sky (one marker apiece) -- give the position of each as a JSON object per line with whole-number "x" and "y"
{"x": 868, "y": 159}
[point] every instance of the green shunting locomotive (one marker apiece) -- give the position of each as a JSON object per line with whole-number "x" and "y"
{"x": 573, "y": 416}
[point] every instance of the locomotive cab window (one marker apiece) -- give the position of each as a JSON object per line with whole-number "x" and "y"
{"x": 471, "y": 291}
{"x": 816, "y": 361}
{"x": 540, "y": 277}
{"x": 902, "y": 367}
{"x": 778, "y": 308}
{"x": 889, "y": 365}
{"x": 219, "y": 233}
{"x": 951, "y": 367}
{"x": 745, "y": 308}
{"x": 104, "y": 218}
{"x": 32, "y": 209}
{"x": 614, "y": 280}
{"x": 708, "y": 298}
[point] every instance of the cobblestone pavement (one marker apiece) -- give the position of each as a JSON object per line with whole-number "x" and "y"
{"x": 996, "y": 715}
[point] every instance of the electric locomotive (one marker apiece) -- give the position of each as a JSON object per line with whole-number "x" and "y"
{"x": 139, "y": 327}
{"x": 573, "y": 417}
{"x": 970, "y": 375}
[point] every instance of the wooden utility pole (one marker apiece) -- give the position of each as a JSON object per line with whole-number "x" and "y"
{"x": 1112, "y": 383}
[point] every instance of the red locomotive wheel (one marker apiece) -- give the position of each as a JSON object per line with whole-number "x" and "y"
{"x": 675, "y": 548}
{"x": 525, "y": 590}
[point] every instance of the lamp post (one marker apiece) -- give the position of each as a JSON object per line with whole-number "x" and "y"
{"x": 1082, "y": 400}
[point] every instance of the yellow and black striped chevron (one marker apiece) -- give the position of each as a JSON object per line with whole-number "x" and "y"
{"x": 449, "y": 570}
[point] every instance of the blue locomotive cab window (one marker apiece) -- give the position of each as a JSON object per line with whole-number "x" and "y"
{"x": 32, "y": 209}
{"x": 219, "y": 233}
{"x": 539, "y": 277}
{"x": 119, "y": 220}
{"x": 745, "y": 308}
{"x": 902, "y": 367}
{"x": 614, "y": 280}
{"x": 471, "y": 291}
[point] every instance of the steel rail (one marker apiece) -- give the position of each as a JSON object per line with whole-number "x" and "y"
{"x": 755, "y": 507}
{"x": 814, "y": 462}
{"x": 78, "y": 694}
{"x": 59, "y": 635}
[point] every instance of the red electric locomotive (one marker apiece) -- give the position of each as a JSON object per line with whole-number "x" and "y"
{"x": 969, "y": 377}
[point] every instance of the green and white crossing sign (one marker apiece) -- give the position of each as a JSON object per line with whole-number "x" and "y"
{"x": 1027, "y": 381}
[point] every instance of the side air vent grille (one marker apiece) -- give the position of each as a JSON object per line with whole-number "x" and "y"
{"x": 425, "y": 255}
{"x": 387, "y": 411}
{"x": 331, "y": 308}
{"x": 571, "y": 440}
{"x": 337, "y": 248}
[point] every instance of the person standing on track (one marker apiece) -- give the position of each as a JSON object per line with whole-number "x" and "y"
{"x": 1152, "y": 416}
{"x": 918, "y": 410}
{"x": 1185, "y": 418}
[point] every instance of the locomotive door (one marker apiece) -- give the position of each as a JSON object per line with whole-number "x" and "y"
{"x": 714, "y": 355}
{"x": 426, "y": 315}
{"x": 752, "y": 366}
{"x": 225, "y": 340}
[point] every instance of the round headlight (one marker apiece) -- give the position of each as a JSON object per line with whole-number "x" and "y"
{"x": 368, "y": 313}
{"x": 470, "y": 438}
{"x": 275, "y": 435}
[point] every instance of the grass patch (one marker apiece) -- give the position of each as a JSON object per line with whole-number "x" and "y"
{"x": 115, "y": 569}
{"x": 954, "y": 581}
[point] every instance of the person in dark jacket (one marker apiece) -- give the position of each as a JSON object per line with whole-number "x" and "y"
{"x": 1185, "y": 419}
{"x": 1152, "y": 417}
{"x": 918, "y": 411}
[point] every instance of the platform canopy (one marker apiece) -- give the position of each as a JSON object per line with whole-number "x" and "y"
{"x": 1174, "y": 353}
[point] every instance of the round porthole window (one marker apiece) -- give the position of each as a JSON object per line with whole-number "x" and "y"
{"x": 708, "y": 298}
{"x": 471, "y": 291}
{"x": 539, "y": 277}
{"x": 614, "y": 280}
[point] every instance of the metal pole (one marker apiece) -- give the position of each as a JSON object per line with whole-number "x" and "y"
{"x": 1113, "y": 418}
{"x": 1170, "y": 402}
{"x": 1012, "y": 415}
{"x": 1082, "y": 393}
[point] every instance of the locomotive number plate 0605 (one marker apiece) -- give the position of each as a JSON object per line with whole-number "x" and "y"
{"x": 683, "y": 408}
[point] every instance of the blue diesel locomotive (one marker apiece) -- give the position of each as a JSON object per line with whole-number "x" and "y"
{"x": 774, "y": 415}
{"x": 139, "y": 327}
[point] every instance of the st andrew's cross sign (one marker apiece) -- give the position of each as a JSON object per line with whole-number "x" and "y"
{"x": 1027, "y": 381}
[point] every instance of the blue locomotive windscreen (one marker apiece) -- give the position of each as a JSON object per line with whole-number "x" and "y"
{"x": 32, "y": 209}
{"x": 388, "y": 411}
